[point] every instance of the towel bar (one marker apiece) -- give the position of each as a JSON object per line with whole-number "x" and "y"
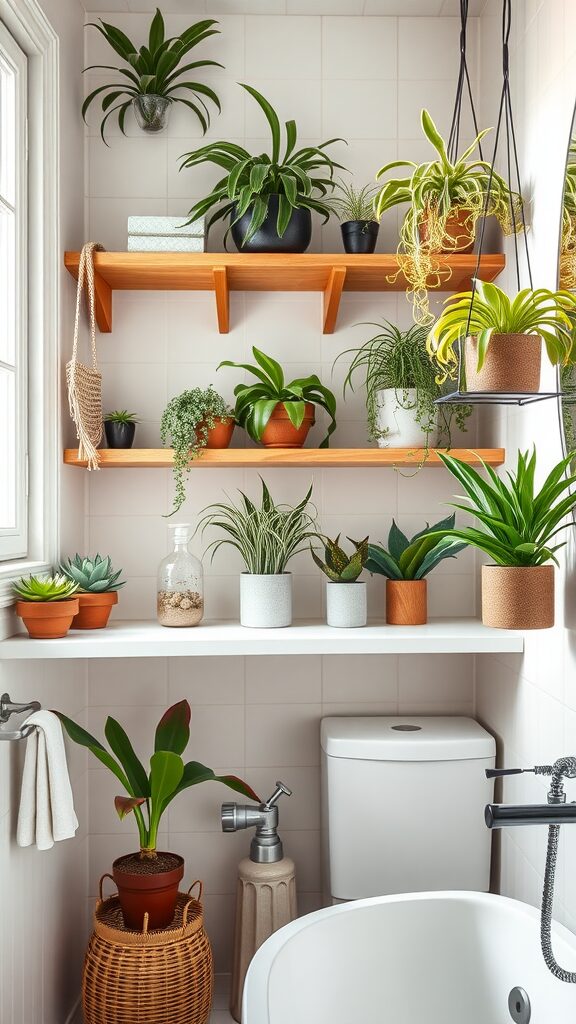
{"x": 7, "y": 708}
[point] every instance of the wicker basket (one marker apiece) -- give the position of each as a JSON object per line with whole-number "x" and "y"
{"x": 156, "y": 977}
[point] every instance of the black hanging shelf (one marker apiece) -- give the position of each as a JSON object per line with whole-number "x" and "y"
{"x": 496, "y": 397}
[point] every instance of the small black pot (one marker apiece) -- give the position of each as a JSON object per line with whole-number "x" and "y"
{"x": 296, "y": 238}
{"x": 119, "y": 435}
{"x": 360, "y": 236}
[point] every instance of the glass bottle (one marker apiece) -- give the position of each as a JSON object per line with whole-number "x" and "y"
{"x": 180, "y": 596}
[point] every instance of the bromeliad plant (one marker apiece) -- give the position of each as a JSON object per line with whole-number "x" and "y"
{"x": 92, "y": 575}
{"x": 149, "y": 793}
{"x": 255, "y": 403}
{"x": 301, "y": 178}
{"x": 186, "y": 423}
{"x": 488, "y": 310}
{"x": 338, "y": 566}
{"x": 152, "y": 78}
{"x": 45, "y": 588}
{"x": 413, "y": 559}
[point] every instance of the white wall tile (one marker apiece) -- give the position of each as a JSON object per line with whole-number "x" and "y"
{"x": 282, "y": 734}
{"x": 272, "y": 680}
{"x": 271, "y": 47}
{"x": 373, "y": 678}
{"x": 360, "y": 48}
{"x": 354, "y": 109}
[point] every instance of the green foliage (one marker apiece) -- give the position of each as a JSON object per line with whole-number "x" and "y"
{"x": 251, "y": 180}
{"x": 186, "y": 422}
{"x": 267, "y": 536}
{"x": 338, "y": 566}
{"x": 255, "y": 403}
{"x": 517, "y": 522}
{"x": 538, "y": 311}
{"x": 120, "y": 416}
{"x": 44, "y": 588}
{"x": 149, "y": 794}
{"x": 93, "y": 575}
{"x": 155, "y": 70}
{"x": 350, "y": 203}
{"x": 413, "y": 559}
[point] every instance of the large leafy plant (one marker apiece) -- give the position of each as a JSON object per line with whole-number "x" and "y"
{"x": 267, "y": 535}
{"x": 154, "y": 69}
{"x": 488, "y": 310}
{"x": 255, "y": 403}
{"x": 301, "y": 178}
{"x": 338, "y": 566}
{"x": 186, "y": 422}
{"x": 149, "y": 793}
{"x": 517, "y": 522}
{"x": 414, "y": 558}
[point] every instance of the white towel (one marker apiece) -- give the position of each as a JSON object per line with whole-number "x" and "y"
{"x": 46, "y": 805}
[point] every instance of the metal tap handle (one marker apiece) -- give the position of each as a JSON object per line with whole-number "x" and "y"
{"x": 498, "y": 773}
{"x": 281, "y": 789}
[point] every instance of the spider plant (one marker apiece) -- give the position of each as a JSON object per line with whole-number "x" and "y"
{"x": 251, "y": 180}
{"x": 413, "y": 559}
{"x": 154, "y": 70}
{"x": 352, "y": 204}
{"x": 567, "y": 268}
{"x": 488, "y": 310}
{"x": 267, "y": 536}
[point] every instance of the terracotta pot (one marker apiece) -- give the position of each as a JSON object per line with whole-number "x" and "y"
{"x": 47, "y": 620}
{"x": 459, "y": 234}
{"x": 94, "y": 610}
{"x": 279, "y": 431}
{"x": 154, "y": 894}
{"x": 518, "y": 597}
{"x": 512, "y": 364}
{"x": 406, "y": 602}
{"x": 221, "y": 433}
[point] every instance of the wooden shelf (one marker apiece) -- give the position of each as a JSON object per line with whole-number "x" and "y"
{"x": 307, "y": 272}
{"x": 158, "y": 458}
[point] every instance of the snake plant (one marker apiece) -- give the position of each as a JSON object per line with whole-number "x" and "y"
{"x": 44, "y": 588}
{"x": 413, "y": 559}
{"x": 93, "y": 575}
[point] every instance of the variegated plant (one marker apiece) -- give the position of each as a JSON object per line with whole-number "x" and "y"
{"x": 338, "y": 566}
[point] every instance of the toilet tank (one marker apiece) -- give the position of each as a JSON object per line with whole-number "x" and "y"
{"x": 403, "y": 804}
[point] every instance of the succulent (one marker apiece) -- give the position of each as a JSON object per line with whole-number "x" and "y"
{"x": 340, "y": 567}
{"x": 44, "y": 588}
{"x": 413, "y": 559}
{"x": 120, "y": 416}
{"x": 91, "y": 575}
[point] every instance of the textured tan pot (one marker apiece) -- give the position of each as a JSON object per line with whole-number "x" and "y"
{"x": 459, "y": 234}
{"x": 279, "y": 432}
{"x": 512, "y": 363}
{"x": 406, "y": 602}
{"x": 518, "y": 597}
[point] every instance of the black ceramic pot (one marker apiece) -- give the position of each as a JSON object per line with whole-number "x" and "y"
{"x": 119, "y": 435}
{"x": 359, "y": 236}
{"x": 296, "y": 238}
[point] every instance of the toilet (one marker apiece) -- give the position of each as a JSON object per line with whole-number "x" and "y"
{"x": 403, "y": 805}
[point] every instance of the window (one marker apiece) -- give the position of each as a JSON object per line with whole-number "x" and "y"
{"x": 13, "y": 300}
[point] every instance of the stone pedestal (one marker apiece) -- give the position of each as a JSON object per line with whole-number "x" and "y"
{"x": 265, "y": 901}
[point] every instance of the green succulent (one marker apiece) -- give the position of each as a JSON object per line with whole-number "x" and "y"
{"x": 120, "y": 416}
{"x": 44, "y": 588}
{"x": 413, "y": 559}
{"x": 92, "y": 575}
{"x": 340, "y": 567}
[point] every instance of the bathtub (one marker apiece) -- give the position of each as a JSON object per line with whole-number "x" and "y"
{"x": 421, "y": 958}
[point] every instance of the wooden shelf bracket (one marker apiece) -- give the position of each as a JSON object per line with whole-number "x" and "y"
{"x": 222, "y": 298}
{"x": 332, "y": 296}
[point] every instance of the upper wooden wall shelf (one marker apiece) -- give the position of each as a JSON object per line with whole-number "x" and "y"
{"x": 158, "y": 458}
{"x": 222, "y": 272}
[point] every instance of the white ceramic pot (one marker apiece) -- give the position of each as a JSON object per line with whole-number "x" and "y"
{"x": 396, "y": 418}
{"x": 346, "y": 604}
{"x": 265, "y": 601}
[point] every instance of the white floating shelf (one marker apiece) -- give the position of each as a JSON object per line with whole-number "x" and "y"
{"x": 132, "y": 639}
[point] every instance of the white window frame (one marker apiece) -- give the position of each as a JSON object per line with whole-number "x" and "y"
{"x": 14, "y": 540}
{"x": 28, "y": 25}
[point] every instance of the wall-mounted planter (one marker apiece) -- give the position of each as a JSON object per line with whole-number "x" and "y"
{"x": 518, "y": 597}
{"x": 265, "y": 600}
{"x": 406, "y": 602}
{"x": 346, "y": 604}
{"x": 512, "y": 364}
{"x": 151, "y": 111}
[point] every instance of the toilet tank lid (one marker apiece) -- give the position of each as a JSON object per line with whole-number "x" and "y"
{"x": 406, "y": 738}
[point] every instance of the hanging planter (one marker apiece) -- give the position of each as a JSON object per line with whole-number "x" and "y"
{"x": 459, "y": 230}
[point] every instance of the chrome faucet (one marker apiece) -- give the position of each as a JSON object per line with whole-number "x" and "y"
{"x": 266, "y": 846}
{"x": 555, "y": 812}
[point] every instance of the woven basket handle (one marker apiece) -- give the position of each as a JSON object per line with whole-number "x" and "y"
{"x": 200, "y": 885}
{"x": 190, "y": 902}
{"x": 101, "y": 882}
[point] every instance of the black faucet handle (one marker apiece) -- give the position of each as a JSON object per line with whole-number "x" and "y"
{"x": 498, "y": 773}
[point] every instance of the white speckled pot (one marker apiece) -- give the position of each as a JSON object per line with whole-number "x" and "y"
{"x": 400, "y": 423}
{"x": 265, "y": 601}
{"x": 346, "y": 604}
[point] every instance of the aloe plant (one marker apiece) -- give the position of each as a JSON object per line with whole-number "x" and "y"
{"x": 338, "y": 566}
{"x": 93, "y": 575}
{"x": 45, "y": 588}
{"x": 413, "y": 559}
{"x": 149, "y": 794}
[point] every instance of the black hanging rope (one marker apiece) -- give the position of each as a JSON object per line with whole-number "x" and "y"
{"x": 463, "y": 80}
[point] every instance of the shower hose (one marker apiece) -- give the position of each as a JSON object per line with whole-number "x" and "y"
{"x": 549, "y": 876}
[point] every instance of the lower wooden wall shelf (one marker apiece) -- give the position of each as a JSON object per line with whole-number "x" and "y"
{"x": 260, "y": 458}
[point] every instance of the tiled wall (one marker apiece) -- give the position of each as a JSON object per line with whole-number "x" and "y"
{"x": 364, "y": 79}
{"x": 530, "y": 702}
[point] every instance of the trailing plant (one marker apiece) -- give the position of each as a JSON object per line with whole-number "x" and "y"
{"x": 567, "y": 266}
{"x": 301, "y": 178}
{"x": 433, "y": 192}
{"x": 490, "y": 311}
{"x": 93, "y": 575}
{"x": 44, "y": 588}
{"x": 338, "y": 566}
{"x": 186, "y": 423}
{"x": 397, "y": 359}
{"x": 517, "y": 522}
{"x": 149, "y": 794}
{"x": 267, "y": 535}
{"x": 120, "y": 416}
{"x": 413, "y": 559}
{"x": 350, "y": 203}
{"x": 154, "y": 70}
{"x": 255, "y": 403}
